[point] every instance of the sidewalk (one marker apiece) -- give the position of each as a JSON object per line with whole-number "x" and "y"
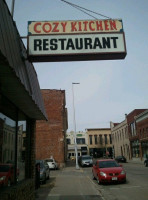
{"x": 69, "y": 184}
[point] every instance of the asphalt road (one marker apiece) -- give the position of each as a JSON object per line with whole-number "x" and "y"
{"x": 136, "y": 187}
{"x": 72, "y": 184}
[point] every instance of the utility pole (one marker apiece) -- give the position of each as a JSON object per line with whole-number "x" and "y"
{"x": 12, "y": 7}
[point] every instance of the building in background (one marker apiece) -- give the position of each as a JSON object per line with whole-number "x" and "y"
{"x": 142, "y": 132}
{"x": 133, "y": 134}
{"x": 82, "y": 144}
{"x": 120, "y": 139}
{"x": 130, "y": 136}
{"x": 51, "y": 134}
{"x": 99, "y": 142}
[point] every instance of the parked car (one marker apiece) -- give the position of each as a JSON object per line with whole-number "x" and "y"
{"x": 146, "y": 163}
{"x": 120, "y": 159}
{"x": 108, "y": 170}
{"x": 52, "y": 163}
{"x": 44, "y": 171}
{"x": 86, "y": 160}
{"x": 7, "y": 174}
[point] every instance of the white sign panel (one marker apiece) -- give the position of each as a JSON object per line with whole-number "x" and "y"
{"x": 76, "y": 44}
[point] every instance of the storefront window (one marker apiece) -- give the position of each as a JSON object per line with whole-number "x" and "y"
{"x": 135, "y": 149}
{"x": 12, "y": 146}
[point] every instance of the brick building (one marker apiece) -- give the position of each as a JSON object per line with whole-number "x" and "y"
{"x": 142, "y": 132}
{"x": 133, "y": 134}
{"x": 51, "y": 134}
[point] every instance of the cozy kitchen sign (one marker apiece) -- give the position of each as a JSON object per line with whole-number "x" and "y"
{"x": 76, "y": 40}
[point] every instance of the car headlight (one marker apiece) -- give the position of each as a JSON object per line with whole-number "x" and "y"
{"x": 123, "y": 172}
{"x": 2, "y": 178}
{"x": 102, "y": 174}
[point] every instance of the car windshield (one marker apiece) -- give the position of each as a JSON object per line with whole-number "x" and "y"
{"x": 4, "y": 168}
{"x": 86, "y": 158}
{"x": 108, "y": 164}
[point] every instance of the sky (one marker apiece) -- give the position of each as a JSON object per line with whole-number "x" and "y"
{"x": 108, "y": 89}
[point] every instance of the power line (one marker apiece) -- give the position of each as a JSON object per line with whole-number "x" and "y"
{"x": 82, "y": 10}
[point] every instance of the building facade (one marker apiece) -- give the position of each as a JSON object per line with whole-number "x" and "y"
{"x": 21, "y": 104}
{"x": 99, "y": 142}
{"x": 51, "y": 134}
{"x": 142, "y": 132}
{"x": 82, "y": 144}
{"x": 133, "y": 134}
{"x": 120, "y": 139}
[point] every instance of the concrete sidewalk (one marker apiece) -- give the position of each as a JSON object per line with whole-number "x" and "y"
{"x": 69, "y": 184}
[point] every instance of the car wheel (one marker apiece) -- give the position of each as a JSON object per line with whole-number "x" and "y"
{"x": 98, "y": 181}
{"x": 44, "y": 179}
{"x": 93, "y": 176}
{"x": 9, "y": 183}
{"x": 48, "y": 177}
{"x": 146, "y": 165}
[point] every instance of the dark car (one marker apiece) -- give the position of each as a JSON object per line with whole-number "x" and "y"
{"x": 86, "y": 160}
{"x": 44, "y": 171}
{"x": 146, "y": 163}
{"x": 120, "y": 159}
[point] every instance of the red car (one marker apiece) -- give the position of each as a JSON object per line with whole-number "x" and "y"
{"x": 108, "y": 170}
{"x": 7, "y": 174}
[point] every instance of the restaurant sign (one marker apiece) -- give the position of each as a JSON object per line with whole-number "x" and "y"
{"x": 76, "y": 40}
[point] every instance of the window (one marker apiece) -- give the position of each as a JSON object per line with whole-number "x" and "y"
{"x": 90, "y": 139}
{"x": 100, "y": 139}
{"x": 105, "y": 136}
{"x": 133, "y": 129}
{"x": 12, "y": 125}
{"x": 68, "y": 141}
{"x": 80, "y": 140}
{"x": 110, "y": 139}
{"x": 96, "y": 141}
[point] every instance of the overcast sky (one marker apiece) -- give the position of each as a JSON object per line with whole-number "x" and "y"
{"x": 108, "y": 89}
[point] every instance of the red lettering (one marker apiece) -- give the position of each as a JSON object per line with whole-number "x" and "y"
{"x": 73, "y": 26}
{"x": 113, "y": 25}
{"x": 35, "y": 27}
{"x": 106, "y": 25}
{"x": 99, "y": 25}
{"x": 64, "y": 26}
{"x": 45, "y": 27}
{"x": 80, "y": 28}
{"x": 85, "y": 25}
{"x": 90, "y": 26}
{"x": 55, "y": 27}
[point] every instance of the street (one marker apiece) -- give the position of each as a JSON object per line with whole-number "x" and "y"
{"x": 73, "y": 184}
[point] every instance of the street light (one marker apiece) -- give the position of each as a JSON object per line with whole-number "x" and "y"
{"x": 74, "y": 120}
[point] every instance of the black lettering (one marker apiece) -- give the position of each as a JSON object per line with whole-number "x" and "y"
{"x": 97, "y": 43}
{"x": 88, "y": 43}
{"x": 70, "y": 44}
{"x": 62, "y": 43}
{"x": 45, "y": 44}
{"x": 53, "y": 44}
{"x": 37, "y": 44}
{"x": 106, "y": 42}
{"x": 114, "y": 41}
{"x": 79, "y": 43}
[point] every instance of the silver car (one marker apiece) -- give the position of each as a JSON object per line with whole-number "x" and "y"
{"x": 86, "y": 160}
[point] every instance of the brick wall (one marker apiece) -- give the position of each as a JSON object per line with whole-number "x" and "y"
{"x": 50, "y": 135}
